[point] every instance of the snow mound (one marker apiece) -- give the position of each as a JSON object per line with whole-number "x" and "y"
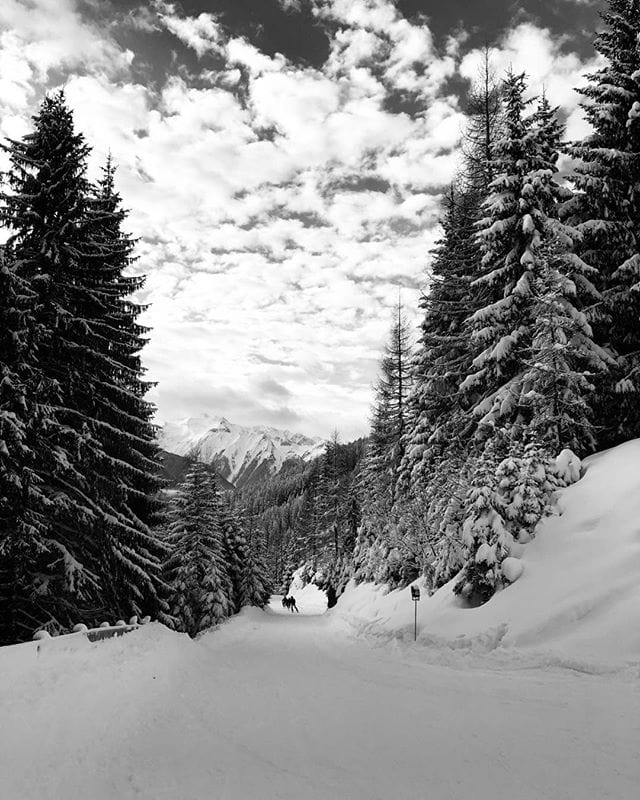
{"x": 576, "y": 595}
{"x": 512, "y": 568}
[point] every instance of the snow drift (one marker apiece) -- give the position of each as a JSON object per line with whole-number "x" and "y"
{"x": 576, "y": 595}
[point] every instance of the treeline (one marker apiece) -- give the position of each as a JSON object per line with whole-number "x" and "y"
{"x": 529, "y": 346}
{"x": 530, "y": 339}
{"x": 308, "y": 514}
{"x": 83, "y": 531}
{"x": 212, "y": 570}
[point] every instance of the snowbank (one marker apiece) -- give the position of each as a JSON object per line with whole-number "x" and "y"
{"x": 577, "y": 600}
{"x": 285, "y": 706}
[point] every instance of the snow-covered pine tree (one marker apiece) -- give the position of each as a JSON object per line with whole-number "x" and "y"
{"x": 389, "y": 414}
{"x": 23, "y": 504}
{"x": 532, "y": 492}
{"x": 44, "y": 211}
{"x": 201, "y": 592}
{"x": 521, "y": 221}
{"x": 396, "y": 372}
{"x": 558, "y": 384}
{"x": 332, "y": 489}
{"x": 236, "y": 551}
{"x": 448, "y": 494}
{"x": 442, "y": 357}
{"x": 607, "y": 212}
{"x": 121, "y": 419}
{"x": 256, "y": 587}
{"x": 485, "y": 534}
{"x": 512, "y": 486}
{"x": 88, "y": 538}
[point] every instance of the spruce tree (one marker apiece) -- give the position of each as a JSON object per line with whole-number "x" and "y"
{"x": 255, "y": 588}
{"x": 89, "y": 554}
{"x": 389, "y": 414}
{"x": 442, "y": 358}
{"x": 121, "y": 417}
{"x": 438, "y": 428}
{"x": 45, "y": 210}
{"x": 564, "y": 362}
{"x": 485, "y": 533}
{"x": 520, "y": 227}
{"x": 23, "y": 504}
{"x": 532, "y": 495}
{"x": 201, "y": 591}
{"x": 236, "y": 551}
{"x": 606, "y": 210}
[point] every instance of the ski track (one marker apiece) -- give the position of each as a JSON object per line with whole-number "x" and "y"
{"x": 278, "y": 706}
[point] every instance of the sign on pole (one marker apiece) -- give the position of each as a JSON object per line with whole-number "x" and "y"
{"x": 415, "y": 596}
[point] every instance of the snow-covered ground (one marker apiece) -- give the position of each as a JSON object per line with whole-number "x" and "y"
{"x": 535, "y": 695}
{"x": 276, "y": 705}
{"x": 577, "y": 602}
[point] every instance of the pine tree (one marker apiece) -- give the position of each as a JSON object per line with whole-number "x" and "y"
{"x": 443, "y": 356}
{"x": 23, "y": 504}
{"x": 256, "y": 588}
{"x": 196, "y": 570}
{"x": 121, "y": 417}
{"x": 437, "y": 412}
{"x": 83, "y": 553}
{"x": 389, "y": 414}
{"x": 607, "y": 212}
{"x": 483, "y": 111}
{"x": 236, "y": 551}
{"x": 44, "y": 209}
{"x": 332, "y": 491}
{"x": 564, "y": 361}
{"x": 533, "y": 491}
{"x": 485, "y": 533}
{"x": 517, "y": 233}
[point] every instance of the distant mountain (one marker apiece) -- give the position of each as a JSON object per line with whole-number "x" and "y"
{"x": 174, "y": 471}
{"x": 242, "y": 455}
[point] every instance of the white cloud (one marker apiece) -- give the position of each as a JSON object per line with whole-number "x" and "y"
{"x": 201, "y": 33}
{"x": 549, "y": 67}
{"x": 239, "y": 51}
{"x": 379, "y": 36}
{"x": 279, "y": 206}
{"x": 48, "y": 34}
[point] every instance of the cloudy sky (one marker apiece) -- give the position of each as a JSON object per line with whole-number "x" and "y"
{"x": 283, "y": 161}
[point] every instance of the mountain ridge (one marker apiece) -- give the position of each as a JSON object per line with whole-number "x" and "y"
{"x": 243, "y": 455}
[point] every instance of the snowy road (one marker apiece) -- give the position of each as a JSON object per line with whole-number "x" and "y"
{"x": 277, "y": 707}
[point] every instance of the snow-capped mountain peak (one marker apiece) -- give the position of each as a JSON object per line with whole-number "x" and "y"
{"x": 241, "y": 454}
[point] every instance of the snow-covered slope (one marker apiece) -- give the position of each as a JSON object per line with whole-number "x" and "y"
{"x": 242, "y": 455}
{"x": 280, "y": 705}
{"x": 577, "y": 601}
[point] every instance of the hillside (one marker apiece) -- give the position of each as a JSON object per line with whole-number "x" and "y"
{"x": 308, "y": 508}
{"x": 242, "y": 455}
{"x": 577, "y": 601}
{"x": 174, "y": 470}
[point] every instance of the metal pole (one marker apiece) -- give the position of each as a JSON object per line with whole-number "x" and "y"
{"x": 415, "y": 620}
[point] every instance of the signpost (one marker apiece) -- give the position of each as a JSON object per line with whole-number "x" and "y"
{"x": 415, "y": 596}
